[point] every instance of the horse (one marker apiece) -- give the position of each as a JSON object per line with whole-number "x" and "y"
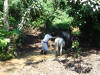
{"x": 67, "y": 38}
{"x": 59, "y": 44}
{"x": 63, "y": 42}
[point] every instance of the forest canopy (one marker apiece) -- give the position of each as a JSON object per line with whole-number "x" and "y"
{"x": 18, "y": 15}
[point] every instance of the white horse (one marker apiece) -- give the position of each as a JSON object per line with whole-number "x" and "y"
{"x": 59, "y": 44}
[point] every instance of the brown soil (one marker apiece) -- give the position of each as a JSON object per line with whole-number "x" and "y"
{"x": 31, "y": 62}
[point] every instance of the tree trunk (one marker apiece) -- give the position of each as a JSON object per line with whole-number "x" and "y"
{"x": 6, "y": 23}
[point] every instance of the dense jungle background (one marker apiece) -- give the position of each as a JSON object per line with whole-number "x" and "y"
{"x": 24, "y": 22}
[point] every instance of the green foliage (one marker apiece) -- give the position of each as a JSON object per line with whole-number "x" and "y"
{"x": 4, "y": 42}
{"x": 54, "y": 14}
{"x": 38, "y": 23}
{"x": 1, "y": 17}
{"x": 75, "y": 46}
{"x": 7, "y": 47}
{"x": 86, "y": 16}
{"x": 15, "y": 11}
{"x": 80, "y": 11}
{"x": 76, "y": 33}
{"x": 62, "y": 20}
{"x": 62, "y": 17}
{"x": 1, "y": 5}
{"x": 30, "y": 14}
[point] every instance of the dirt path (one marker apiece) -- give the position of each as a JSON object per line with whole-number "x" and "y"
{"x": 32, "y": 63}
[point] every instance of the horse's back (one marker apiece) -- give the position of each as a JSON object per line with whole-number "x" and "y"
{"x": 60, "y": 41}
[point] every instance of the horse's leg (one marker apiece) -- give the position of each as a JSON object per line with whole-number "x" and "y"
{"x": 61, "y": 50}
{"x": 56, "y": 46}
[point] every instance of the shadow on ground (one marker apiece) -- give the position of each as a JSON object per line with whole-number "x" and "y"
{"x": 78, "y": 66}
{"x": 31, "y": 45}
